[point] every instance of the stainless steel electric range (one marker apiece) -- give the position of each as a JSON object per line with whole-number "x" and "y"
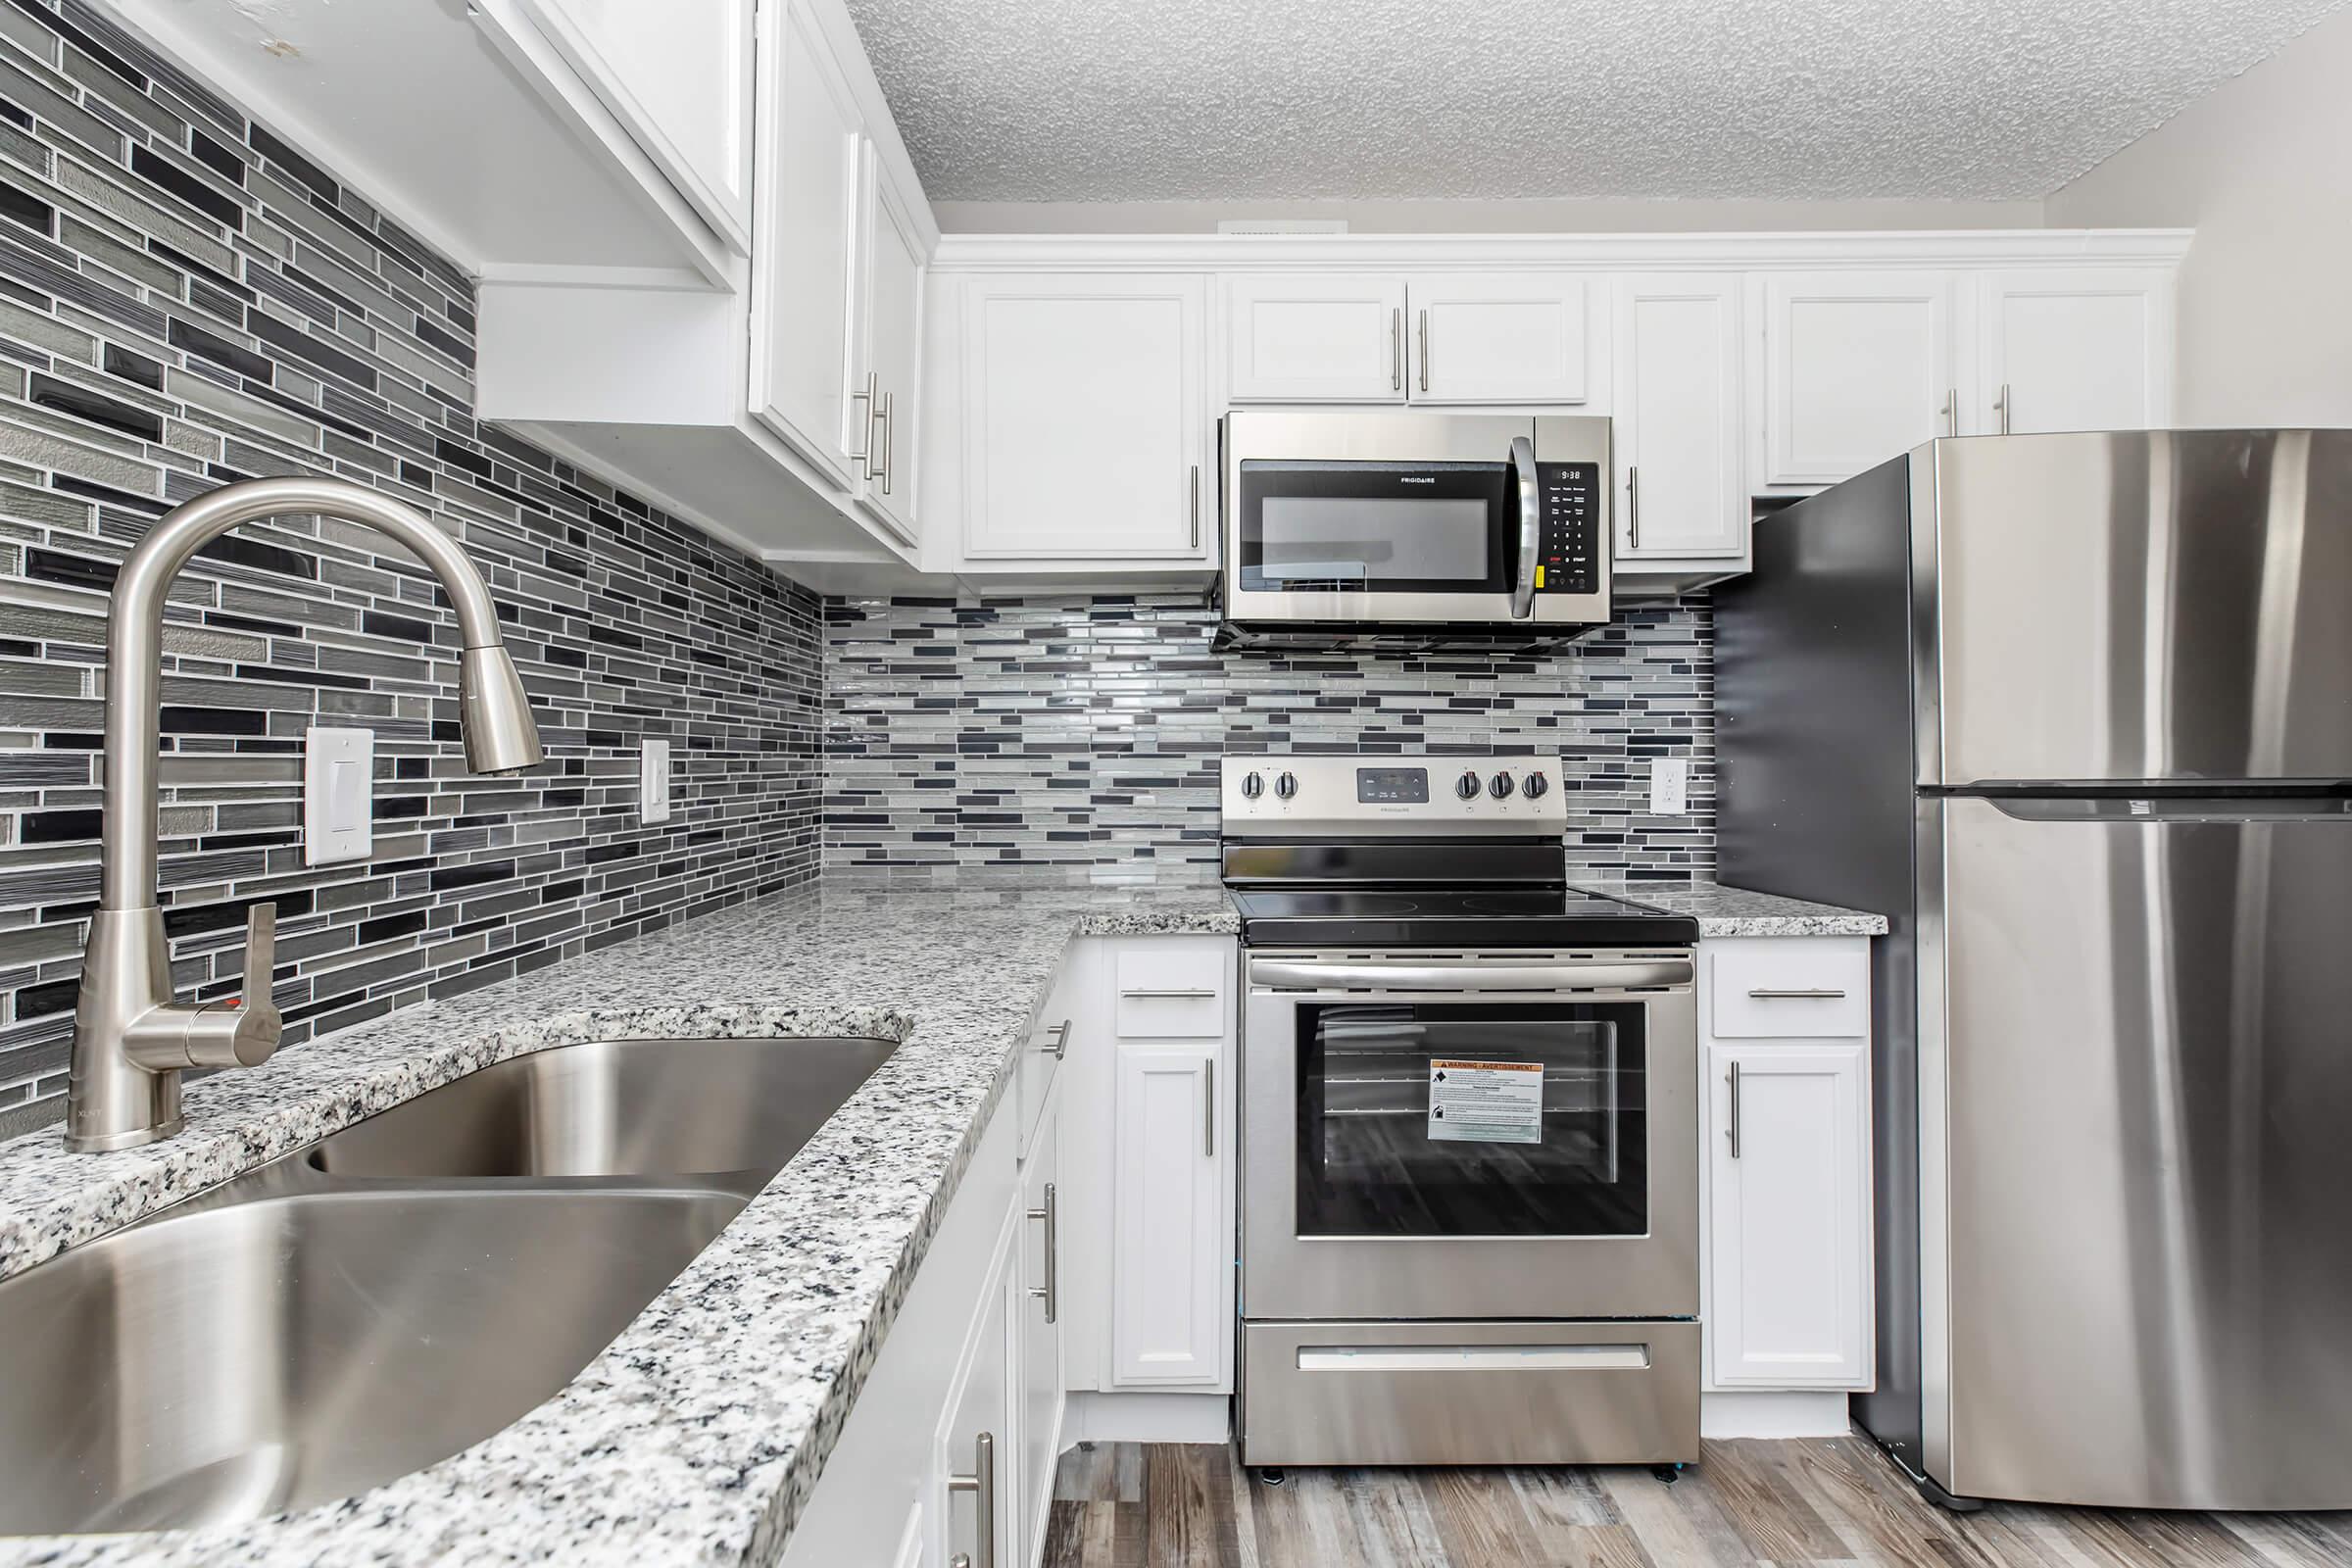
{"x": 1469, "y": 1129}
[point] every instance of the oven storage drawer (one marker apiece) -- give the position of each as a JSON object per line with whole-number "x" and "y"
{"x": 1484, "y": 1392}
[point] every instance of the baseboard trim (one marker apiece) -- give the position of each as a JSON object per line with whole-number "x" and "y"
{"x": 1773, "y": 1414}
{"x": 1147, "y": 1418}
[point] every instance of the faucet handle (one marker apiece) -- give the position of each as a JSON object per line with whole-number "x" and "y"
{"x": 243, "y": 1032}
{"x": 261, "y": 953}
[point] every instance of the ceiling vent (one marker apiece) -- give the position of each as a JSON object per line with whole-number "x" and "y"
{"x": 1282, "y": 226}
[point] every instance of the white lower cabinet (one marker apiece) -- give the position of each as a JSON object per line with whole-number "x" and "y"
{"x": 1037, "y": 1306}
{"x": 1785, "y": 1052}
{"x": 1791, "y": 1256}
{"x": 975, "y": 1462}
{"x": 1171, "y": 1306}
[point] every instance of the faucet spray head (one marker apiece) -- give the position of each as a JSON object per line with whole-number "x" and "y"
{"x": 501, "y": 736}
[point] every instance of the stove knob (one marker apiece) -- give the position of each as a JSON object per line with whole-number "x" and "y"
{"x": 1253, "y": 785}
{"x": 1286, "y": 786}
{"x": 1536, "y": 787}
{"x": 1500, "y": 788}
{"x": 1467, "y": 786}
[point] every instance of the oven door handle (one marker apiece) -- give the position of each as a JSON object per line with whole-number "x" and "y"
{"x": 1531, "y": 518}
{"x": 1319, "y": 975}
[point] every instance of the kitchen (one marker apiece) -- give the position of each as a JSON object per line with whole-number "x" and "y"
{"x": 781, "y": 792}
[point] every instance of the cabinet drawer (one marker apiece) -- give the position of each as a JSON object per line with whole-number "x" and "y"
{"x": 1170, "y": 993}
{"x": 1793, "y": 989}
{"x": 1033, "y": 1078}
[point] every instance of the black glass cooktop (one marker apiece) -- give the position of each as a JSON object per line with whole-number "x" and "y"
{"x": 1505, "y": 918}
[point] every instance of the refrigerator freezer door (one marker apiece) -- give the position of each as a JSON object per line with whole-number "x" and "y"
{"x": 2148, "y": 605}
{"x": 2135, "y": 1084}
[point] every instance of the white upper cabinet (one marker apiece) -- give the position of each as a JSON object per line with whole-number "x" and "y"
{"x": 2076, "y": 349}
{"x": 1858, "y": 366}
{"x": 802, "y": 264}
{"x": 1293, "y": 338}
{"x": 1439, "y": 337}
{"x": 1497, "y": 337}
{"x": 887, "y": 354}
{"x": 679, "y": 78}
{"x": 1678, "y": 395}
{"x": 1084, "y": 419}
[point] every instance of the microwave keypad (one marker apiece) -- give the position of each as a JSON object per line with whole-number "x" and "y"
{"x": 1568, "y": 556}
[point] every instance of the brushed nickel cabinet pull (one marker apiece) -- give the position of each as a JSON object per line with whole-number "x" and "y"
{"x": 1049, "y": 1293}
{"x": 866, "y": 427}
{"x": 1795, "y": 994}
{"x": 1208, "y": 1122}
{"x": 982, "y": 1485}
{"x": 1396, "y": 349}
{"x": 1424, "y": 333}
{"x": 888, "y": 440}
{"x": 1733, "y": 1078}
{"x": 2001, "y": 408}
{"x": 1951, "y": 412}
{"x": 1633, "y": 507}
{"x": 1177, "y": 993}
{"x": 1060, "y": 1047}
{"x": 1193, "y": 504}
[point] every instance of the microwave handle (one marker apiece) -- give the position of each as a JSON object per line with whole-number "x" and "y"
{"x": 1531, "y": 517}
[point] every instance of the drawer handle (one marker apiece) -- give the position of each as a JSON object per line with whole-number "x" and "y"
{"x": 1062, "y": 1041}
{"x": 1176, "y": 994}
{"x": 1814, "y": 994}
{"x": 1473, "y": 1357}
{"x": 1208, "y": 1097}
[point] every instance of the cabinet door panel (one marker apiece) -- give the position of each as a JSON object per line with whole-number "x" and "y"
{"x": 801, "y": 286}
{"x": 2077, "y": 350}
{"x": 888, "y": 353}
{"x": 1315, "y": 340}
{"x": 1083, "y": 420}
{"x": 1039, "y": 1339}
{"x": 1171, "y": 1239}
{"x": 1678, "y": 426}
{"x": 1859, "y": 367}
{"x": 679, "y": 77}
{"x": 1497, "y": 337}
{"x": 1789, "y": 1286}
{"x": 982, "y": 1404}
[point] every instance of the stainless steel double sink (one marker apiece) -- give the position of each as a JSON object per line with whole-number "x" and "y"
{"x": 394, "y": 1293}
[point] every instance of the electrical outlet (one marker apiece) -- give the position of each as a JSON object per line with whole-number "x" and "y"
{"x": 338, "y": 795}
{"x": 653, "y": 781}
{"x": 1669, "y": 786}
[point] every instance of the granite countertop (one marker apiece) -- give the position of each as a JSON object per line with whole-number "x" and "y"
{"x": 695, "y": 1436}
{"x": 1724, "y": 912}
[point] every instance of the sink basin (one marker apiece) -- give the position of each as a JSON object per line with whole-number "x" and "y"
{"x": 283, "y": 1352}
{"x": 394, "y": 1294}
{"x": 705, "y": 1107}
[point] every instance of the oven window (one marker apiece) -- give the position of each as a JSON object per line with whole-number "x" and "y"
{"x": 1372, "y": 1162}
{"x": 1370, "y": 527}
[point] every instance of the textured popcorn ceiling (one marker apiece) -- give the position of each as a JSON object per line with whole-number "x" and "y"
{"x": 1110, "y": 100}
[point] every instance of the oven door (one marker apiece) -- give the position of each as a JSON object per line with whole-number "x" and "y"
{"x": 1447, "y": 1137}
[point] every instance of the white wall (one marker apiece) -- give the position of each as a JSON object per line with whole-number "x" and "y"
{"x": 2262, "y": 167}
{"x": 1592, "y": 217}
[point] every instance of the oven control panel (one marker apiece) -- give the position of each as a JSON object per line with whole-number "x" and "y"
{"x": 1344, "y": 793}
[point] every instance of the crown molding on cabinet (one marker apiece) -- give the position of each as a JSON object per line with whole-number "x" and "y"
{"x": 1323, "y": 252}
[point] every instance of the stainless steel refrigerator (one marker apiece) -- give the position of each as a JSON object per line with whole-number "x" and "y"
{"x": 2075, "y": 711}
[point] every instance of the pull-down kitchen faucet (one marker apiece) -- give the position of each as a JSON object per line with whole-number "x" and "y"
{"x": 132, "y": 1040}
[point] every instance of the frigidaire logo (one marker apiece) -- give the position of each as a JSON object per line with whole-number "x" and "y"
{"x": 1414, "y": 478}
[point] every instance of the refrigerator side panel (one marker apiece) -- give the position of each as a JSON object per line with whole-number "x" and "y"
{"x": 2148, "y": 605}
{"x": 2145, "y": 1085}
{"x": 1814, "y": 745}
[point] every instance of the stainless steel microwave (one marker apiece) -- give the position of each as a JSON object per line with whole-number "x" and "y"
{"x": 1429, "y": 523}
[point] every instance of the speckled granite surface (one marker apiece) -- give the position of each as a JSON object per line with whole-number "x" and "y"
{"x": 695, "y": 1436}
{"x": 1724, "y": 912}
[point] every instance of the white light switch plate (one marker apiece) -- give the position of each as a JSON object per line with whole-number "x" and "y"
{"x": 653, "y": 781}
{"x": 338, "y": 788}
{"x": 1669, "y": 786}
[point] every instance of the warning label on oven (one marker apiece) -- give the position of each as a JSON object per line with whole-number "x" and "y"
{"x": 1486, "y": 1102}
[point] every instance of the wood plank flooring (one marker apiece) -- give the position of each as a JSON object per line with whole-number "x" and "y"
{"x": 1799, "y": 1504}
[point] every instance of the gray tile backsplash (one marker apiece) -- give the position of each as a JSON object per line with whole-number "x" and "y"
{"x": 184, "y": 299}
{"x": 1077, "y": 739}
